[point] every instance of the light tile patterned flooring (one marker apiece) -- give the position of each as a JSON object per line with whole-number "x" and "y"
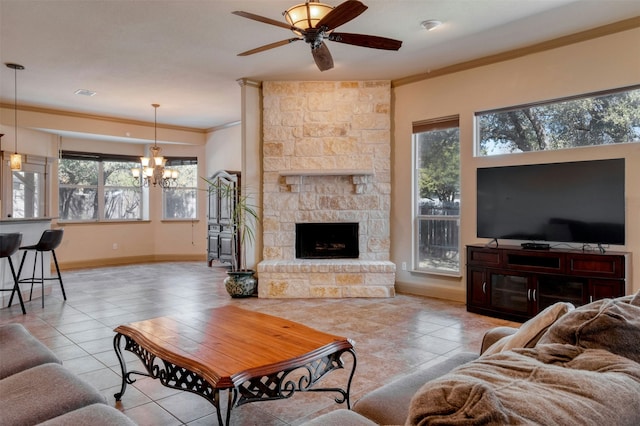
{"x": 393, "y": 336}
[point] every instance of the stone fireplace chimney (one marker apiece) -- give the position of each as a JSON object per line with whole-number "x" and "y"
{"x": 326, "y": 159}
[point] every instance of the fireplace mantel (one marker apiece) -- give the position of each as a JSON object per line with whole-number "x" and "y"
{"x": 359, "y": 178}
{"x": 327, "y": 172}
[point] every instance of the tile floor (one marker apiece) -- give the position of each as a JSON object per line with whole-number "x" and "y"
{"x": 392, "y": 336}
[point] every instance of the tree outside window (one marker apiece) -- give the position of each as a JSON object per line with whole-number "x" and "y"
{"x": 96, "y": 187}
{"x": 595, "y": 119}
{"x": 437, "y": 195}
{"x": 180, "y": 202}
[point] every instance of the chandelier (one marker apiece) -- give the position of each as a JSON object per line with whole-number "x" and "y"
{"x": 15, "y": 161}
{"x": 306, "y": 15}
{"x": 153, "y": 172}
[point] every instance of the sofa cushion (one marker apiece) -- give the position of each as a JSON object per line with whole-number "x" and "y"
{"x": 530, "y": 332}
{"x": 609, "y": 324}
{"x": 19, "y": 350}
{"x": 389, "y": 404}
{"x": 94, "y": 414}
{"x": 549, "y": 384}
{"x": 42, "y": 393}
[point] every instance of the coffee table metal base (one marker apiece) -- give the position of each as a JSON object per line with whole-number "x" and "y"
{"x": 280, "y": 385}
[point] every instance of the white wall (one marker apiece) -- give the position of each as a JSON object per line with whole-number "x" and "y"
{"x": 599, "y": 64}
{"x": 91, "y": 244}
{"x": 224, "y": 149}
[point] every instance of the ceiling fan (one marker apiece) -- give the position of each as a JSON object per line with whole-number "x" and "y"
{"x": 314, "y": 22}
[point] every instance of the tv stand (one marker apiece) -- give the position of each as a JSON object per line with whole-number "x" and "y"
{"x": 515, "y": 283}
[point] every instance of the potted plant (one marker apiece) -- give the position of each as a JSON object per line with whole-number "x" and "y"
{"x": 243, "y": 220}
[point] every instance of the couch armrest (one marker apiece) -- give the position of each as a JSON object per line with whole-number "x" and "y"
{"x": 494, "y": 335}
{"x": 389, "y": 404}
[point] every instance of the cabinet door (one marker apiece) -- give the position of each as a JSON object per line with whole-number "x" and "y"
{"x": 477, "y": 288}
{"x": 212, "y": 247}
{"x": 225, "y": 245}
{"x": 511, "y": 293}
{"x": 552, "y": 289}
{"x": 603, "y": 289}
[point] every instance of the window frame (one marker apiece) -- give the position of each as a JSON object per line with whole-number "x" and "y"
{"x": 181, "y": 161}
{"x": 30, "y": 164}
{"x": 101, "y": 187}
{"x": 442, "y": 123}
{"x": 515, "y": 108}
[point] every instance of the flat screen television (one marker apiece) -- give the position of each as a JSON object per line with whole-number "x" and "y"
{"x": 574, "y": 202}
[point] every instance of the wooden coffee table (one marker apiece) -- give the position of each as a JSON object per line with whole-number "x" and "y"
{"x": 253, "y": 356}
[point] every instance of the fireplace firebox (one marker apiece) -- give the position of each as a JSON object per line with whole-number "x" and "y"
{"x": 327, "y": 240}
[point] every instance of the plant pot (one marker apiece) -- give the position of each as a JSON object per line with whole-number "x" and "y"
{"x": 241, "y": 283}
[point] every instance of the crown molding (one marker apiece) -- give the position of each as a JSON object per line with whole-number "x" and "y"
{"x": 616, "y": 27}
{"x": 71, "y": 114}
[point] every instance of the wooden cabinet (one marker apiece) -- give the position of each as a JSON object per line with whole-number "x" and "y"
{"x": 515, "y": 283}
{"x": 221, "y": 244}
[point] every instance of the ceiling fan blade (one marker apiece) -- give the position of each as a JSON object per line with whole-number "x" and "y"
{"x": 341, "y": 14}
{"x": 266, "y": 20}
{"x": 364, "y": 40}
{"x": 268, "y": 46}
{"x": 323, "y": 58}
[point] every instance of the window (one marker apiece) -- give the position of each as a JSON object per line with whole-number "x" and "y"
{"x": 437, "y": 196}
{"x": 181, "y": 202}
{"x": 98, "y": 187}
{"x": 27, "y": 195}
{"x": 596, "y": 119}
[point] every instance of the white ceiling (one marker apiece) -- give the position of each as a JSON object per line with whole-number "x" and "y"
{"x": 182, "y": 54}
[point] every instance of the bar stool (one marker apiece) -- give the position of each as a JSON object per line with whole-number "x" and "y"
{"x": 9, "y": 244}
{"x": 49, "y": 241}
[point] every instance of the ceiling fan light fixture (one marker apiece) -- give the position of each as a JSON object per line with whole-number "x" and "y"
{"x": 306, "y": 15}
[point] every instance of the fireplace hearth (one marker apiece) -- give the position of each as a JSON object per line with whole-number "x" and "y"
{"x": 327, "y": 241}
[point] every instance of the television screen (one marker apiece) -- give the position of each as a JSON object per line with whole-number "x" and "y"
{"x": 577, "y": 202}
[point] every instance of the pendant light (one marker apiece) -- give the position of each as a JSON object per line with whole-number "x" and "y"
{"x": 153, "y": 172}
{"x": 15, "y": 161}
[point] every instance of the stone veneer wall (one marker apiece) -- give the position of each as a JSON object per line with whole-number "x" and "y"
{"x": 326, "y": 158}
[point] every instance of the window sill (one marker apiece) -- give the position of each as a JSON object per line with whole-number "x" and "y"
{"x": 455, "y": 274}
{"x": 100, "y": 222}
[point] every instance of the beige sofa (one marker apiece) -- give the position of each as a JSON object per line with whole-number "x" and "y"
{"x": 37, "y": 389}
{"x": 564, "y": 366}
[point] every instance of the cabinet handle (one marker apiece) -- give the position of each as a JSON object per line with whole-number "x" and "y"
{"x": 529, "y": 295}
{"x": 590, "y": 298}
{"x": 484, "y": 287}
{"x": 534, "y": 294}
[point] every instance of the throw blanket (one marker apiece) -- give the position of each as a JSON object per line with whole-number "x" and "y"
{"x": 551, "y": 384}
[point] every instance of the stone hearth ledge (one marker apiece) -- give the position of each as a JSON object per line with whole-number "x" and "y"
{"x": 328, "y": 278}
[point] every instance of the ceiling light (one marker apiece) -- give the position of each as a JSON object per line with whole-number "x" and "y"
{"x": 15, "y": 160}
{"x": 306, "y": 15}
{"x": 430, "y": 24}
{"x": 152, "y": 171}
{"x": 85, "y": 92}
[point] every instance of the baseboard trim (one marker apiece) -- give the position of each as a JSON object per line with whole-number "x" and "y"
{"x": 437, "y": 292}
{"x": 131, "y": 260}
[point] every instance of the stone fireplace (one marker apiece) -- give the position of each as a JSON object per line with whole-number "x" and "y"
{"x": 326, "y": 163}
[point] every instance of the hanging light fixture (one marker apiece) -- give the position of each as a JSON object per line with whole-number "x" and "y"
{"x": 15, "y": 161}
{"x": 153, "y": 172}
{"x": 306, "y": 15}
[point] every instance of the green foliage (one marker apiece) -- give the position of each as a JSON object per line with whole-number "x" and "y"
{"x": 439, "y": 164}
{"x": 599, "y": 120}
{"x": 244, "y": 216}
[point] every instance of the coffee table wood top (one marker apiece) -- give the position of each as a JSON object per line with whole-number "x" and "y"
{"x": 229, "y": 345}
